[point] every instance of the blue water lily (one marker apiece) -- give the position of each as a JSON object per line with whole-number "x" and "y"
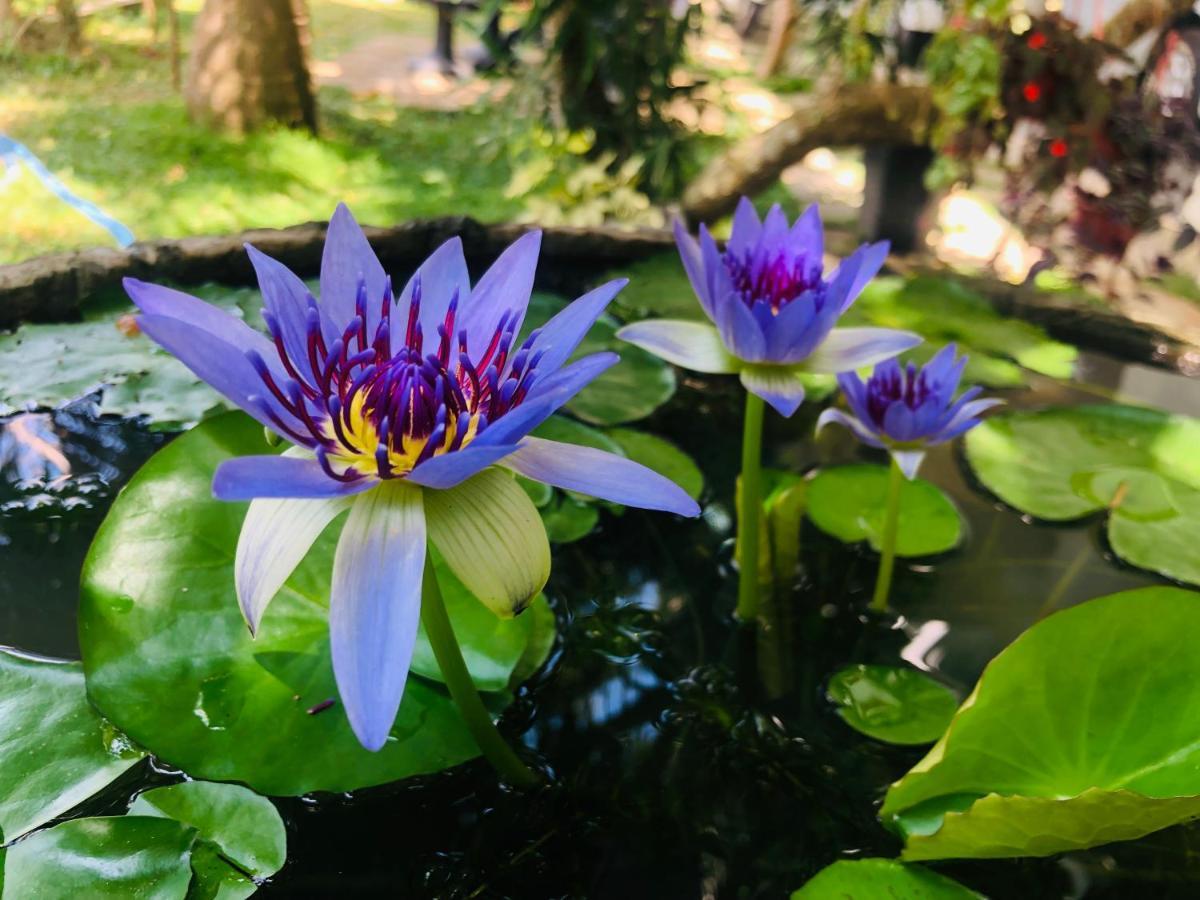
{"x": 773, "y": 311}
{"x": 906, "y": 410}
{"x": 410, "y": 411}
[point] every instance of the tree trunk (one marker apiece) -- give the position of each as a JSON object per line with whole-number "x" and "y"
{"x": 69, "y": 18}
{"x": 783, "y": 22}
{"x": 850, "y": 116}
{"x": 249, "y": 65}
{"x": 1139, "y": 16}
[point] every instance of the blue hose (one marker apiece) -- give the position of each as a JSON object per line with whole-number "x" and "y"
{"x": 13, "y": 152}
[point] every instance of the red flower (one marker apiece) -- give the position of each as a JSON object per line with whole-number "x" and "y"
{"x": 1058, "y": 148}
{"x": 1036, "y": 41}
{"x": 1031, "y": 92}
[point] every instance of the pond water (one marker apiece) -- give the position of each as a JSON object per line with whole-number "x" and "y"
{"x": 690, "y": 757}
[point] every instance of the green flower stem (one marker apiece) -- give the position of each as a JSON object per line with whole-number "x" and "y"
{"x": 458, "y": 680}
{"x": 887, "y": 562}
{"x": 751, "y": 509}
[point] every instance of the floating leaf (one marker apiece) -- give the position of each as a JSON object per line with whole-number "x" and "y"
{"x": 118, "y": 858}
{"x": 896, "y": 705}
{"x": 568, "y": 431}
{"x": 1065, "y": 463}
{"x": 850, "y": 503}
{"x": 241, "y": 832}
{"x": 55, "y": 751}
{"x": 1081, "y": 732}
{"x": 868, "y": 879}
{"x": 630, "y": 390}
{"x": 658, "y": 288}
{"x": 168, "y": 657}
{"x": 568, "y": 519}
{"x": 662, "y": 456}
{"x": 943, "y": 310}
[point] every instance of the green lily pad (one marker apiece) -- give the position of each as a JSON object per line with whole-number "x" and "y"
{"x": 568, "y": 520}
{"x": 169, "y": 660}
{"x": 1065, "y": 463}
{"x": 118, "y": 858}
{"x": 662, "y": 456}
{"x": 568, "y": 431}
{"x": 868, "y": 879}
{"x": 241, "y": 832}
{"x": 632, "y": 389}
{"x": 1081, "y": 732}
{"x": 658, "y": 288}
{"x": 896, "y": 705}
{"x": 55, "y": 751}
{"x": 943, "y": 310}
{"x": 850, "y": 503}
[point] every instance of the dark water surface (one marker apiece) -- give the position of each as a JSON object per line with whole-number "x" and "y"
{"x": 691, "y": 758}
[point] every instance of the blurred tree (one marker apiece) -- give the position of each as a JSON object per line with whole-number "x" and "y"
{"x": 249, "y": 65}
{"x": 611, "y": 67}
{"x": 69, "y": 17}
{"x": 7, "y": 19}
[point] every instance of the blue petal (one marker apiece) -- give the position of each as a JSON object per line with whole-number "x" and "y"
{"x": 808, "y": 237}
{"x": 599, "y": 474}
{"x": 716, "y": 274}
{"x": 545, "y": 398}
{"x": 286, "y": 299}
{"x": 870, "y": 259}
{"x": 375, "y": 607}
{"x": 746, "y": 228}
{"x": 847, "y": 349}
{"x": 780, "y": 387}
{"x": 740, "y": 330}
{"x": 775, "y": 229}
{"x": 693, "y": 264}
{"x": 156, "y": 300}
{"x": 450, "y": 469}
{"x": 221, "y": 365}
{"x": 561, "y": 335}
{"x": 818, "y": 329}
{"x": 504, "y": 288}
{"x": 855, "y": 393}
{"x": 347, "y": 259}
{"x": 789, "y": 327}
{"x": 965, "y": 419}
{"x": 898, "y": 422}
{"x": 251, "y": 477}
{"x": 442, "y": 273}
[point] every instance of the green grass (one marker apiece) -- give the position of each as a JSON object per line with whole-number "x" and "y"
{"x": 110, "y": 126}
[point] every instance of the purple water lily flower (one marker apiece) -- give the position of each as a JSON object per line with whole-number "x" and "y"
{"x": 400, "y": 408}
{"x": 773, "y": 310}
{"x": 905, "y": 410}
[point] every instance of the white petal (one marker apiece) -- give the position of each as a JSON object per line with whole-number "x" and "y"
{"x": 780, "y": 386}
{"x": 490, "y": 534}
{"x": 908, "y": 461}
{"x": 692, "y": 345}
{"x": 848, "y": 349}
{"x": 275, "y": 537}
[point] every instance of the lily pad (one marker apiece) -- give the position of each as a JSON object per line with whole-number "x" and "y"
{"x": 1081, "y": 732}
{"x": 868, "y": 879}
{"x": 55, "y": 751}
{"x": 896, "y": 705}
{"x": 241, "y": 833}
{"x": 662, "y": 456}
{"x": 658, "y": 288}
{"x": 112, "y": 857}
{"x": 1139, "y": 464}
{"x": 850, "y": 503}
{"x": 632, "y": 389}
{"x": 943, "y": 310}
{"x": 568, "y": 520}
{"x": 169, "y": 660}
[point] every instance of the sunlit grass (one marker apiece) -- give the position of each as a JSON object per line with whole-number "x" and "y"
{"x": 112, "y": 128}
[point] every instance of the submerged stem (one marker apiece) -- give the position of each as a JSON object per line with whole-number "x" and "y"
{"x": 751, "y": 509}
{"x": 891, "y": 525}
{"x": 458, "y": 681}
